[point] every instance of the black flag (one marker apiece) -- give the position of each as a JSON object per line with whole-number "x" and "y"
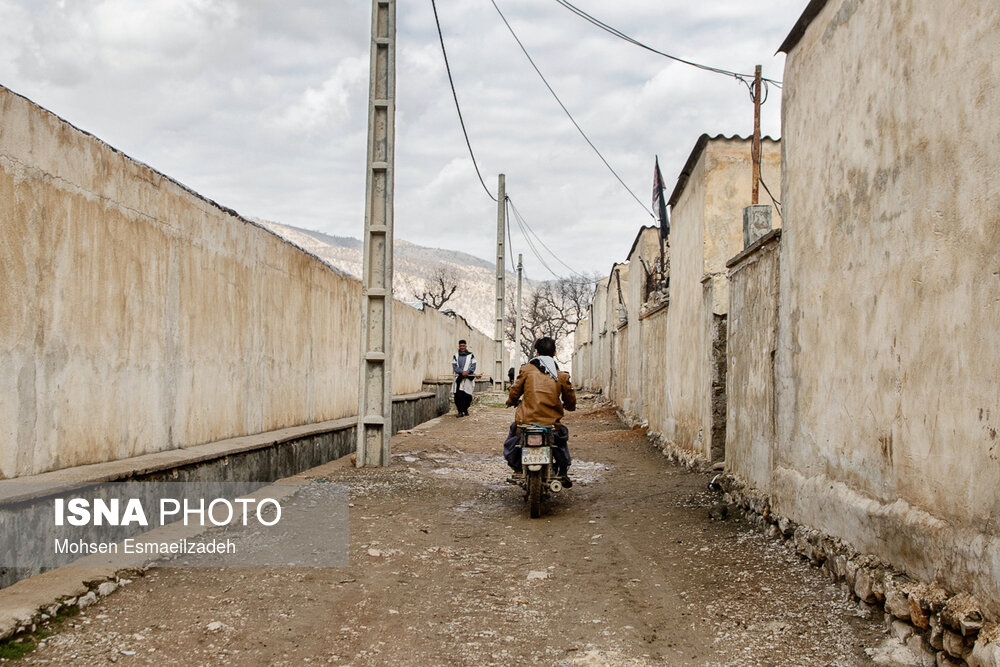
{"x": 660, "y": 202}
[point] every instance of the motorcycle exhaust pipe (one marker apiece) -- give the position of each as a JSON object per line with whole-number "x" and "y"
{"x": 555, "y": 486}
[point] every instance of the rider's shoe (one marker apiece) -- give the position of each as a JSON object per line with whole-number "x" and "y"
{"x": 516, "y": 478}
{"x": 566, "y": 481}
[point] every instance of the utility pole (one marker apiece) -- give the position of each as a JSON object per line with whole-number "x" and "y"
{"x": 755, "y": 147}
{"x": 375, "y": 389}
{"x": 520, "y": 314}
{"x": 501, "y": 258}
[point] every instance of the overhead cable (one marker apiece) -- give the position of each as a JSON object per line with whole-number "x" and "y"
{"x": 510, "y": 241}
{"x": 777, "y": 204}
{"x": 458, "y": 108}
{"x": 618, "y": 33}
{"x": 573, "y": 120}
{"x": 539, "y": 239}
{"x": 527, "y": 233}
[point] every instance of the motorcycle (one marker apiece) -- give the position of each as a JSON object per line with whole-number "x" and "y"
{"x": 537, "y": 462}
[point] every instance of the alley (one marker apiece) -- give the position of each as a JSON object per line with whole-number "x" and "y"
{"x": 625, "y": 568}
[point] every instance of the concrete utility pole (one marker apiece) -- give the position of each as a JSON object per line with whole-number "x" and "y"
{"x": 517, "y": 325}
{"x": 501, "y": 258}
{"x": 755, "y": 146}
{"x": 375, "y": 389}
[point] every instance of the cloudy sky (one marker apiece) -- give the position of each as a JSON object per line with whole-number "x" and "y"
{"x": 262, "y": 105}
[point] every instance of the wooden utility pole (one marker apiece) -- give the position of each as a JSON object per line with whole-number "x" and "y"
{"x": 375, "y": 389}
{"x": 501, "y": 258}
{"x": 520, "y": 315}
{"x": 755, "y": 147}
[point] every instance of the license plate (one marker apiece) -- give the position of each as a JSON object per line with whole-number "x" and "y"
{"x": 533, "y": 456}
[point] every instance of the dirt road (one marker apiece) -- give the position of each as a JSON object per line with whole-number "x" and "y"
{"x": 626, "y": 568}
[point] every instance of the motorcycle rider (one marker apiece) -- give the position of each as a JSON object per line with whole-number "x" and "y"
{"x": 545, "y": 391}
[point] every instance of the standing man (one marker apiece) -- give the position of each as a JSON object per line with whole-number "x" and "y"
{"x": 463, "y": 364}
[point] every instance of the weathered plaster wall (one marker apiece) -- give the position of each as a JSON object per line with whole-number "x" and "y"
{"x": 728, "y": 189}
{"x": 706, "y": 231}
{"x": 581, "y": 364}
{"x": 681, "y": 423}
{"x": 139, "y": 317}
{"x": 656, "y": 362}
{"x": 645, "y": 252}
{"x": 888, "y": 351}
{"x": 600, "y": 362}
{"x": 617, "y": 344}
{"x": 752, "y": 341}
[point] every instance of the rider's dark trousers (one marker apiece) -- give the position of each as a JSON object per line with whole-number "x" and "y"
{"x": 512, "y": 449}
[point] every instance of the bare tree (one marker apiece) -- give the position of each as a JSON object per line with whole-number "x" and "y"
{"x": 439, "y": 288}
{"x": 552, "y": 309}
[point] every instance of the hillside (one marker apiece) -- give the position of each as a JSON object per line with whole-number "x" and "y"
{"x": 414, "y": 264}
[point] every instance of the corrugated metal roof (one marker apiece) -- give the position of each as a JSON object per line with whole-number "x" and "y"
{"x": 692, "y": 160}
{"x": 811, "y": 11}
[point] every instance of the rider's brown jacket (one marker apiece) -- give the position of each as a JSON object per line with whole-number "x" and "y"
{"x": 543, "y": 398}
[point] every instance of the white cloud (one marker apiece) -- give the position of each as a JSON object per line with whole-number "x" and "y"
{"x": 262, "y": 105}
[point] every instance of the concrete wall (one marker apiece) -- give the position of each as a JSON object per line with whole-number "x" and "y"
{"x": 655, "y": 366}
{"x": 752, "y": 340}
{"x": 674, "y": 374}
{"x": 706, "y": 230}
{"x": 614, "y": 354}
{"x": 645, "y": 253}
{"x": 138, "y": 316}
{"x": 888, "y": 355}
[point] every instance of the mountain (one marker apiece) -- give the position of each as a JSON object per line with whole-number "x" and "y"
{"x": 413, "y": 265}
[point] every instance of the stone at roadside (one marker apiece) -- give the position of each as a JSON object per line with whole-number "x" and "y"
{"x": 537, "y": 574}
{"x": 214, "y": 626}
{"x": 918, "y": 615}
{"x": 970, "y": 626}
{"x": 863, "y": 586}
{"x": 86, "y": 600}
{"x": 984, "y": 654}
{"x": 926, "y": 656}
{"x": 892, "y": 654}
{"x": 839, "y": 566}
{"x": 936, "y": 636}
{"x": 851, "y": 572}
{"x": 897, "y": 604}
{"x": 944, "y": 661}
{"x": 901, "y": 630}
{"x": 954, "y": 645}
{"x": 107, "y": 588}
{"x": 963, "y": 609}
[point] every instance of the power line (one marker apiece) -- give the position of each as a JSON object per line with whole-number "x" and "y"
{"x": 777, "y": 204}
{"x": 527, "y": 232}
{"x": 531, "y": 246}
{"x": 510, "y": 240}
{"x": 618, "y": 33}
{"x": 458, "y": 108}
{"x": 573, "y": 120}
{"x": 539, "y": 239}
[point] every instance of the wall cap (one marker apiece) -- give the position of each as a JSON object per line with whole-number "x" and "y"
{"x": 773, "y": 235}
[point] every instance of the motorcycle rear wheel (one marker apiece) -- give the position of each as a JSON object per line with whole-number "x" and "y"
{"x": 535, "y": 493}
